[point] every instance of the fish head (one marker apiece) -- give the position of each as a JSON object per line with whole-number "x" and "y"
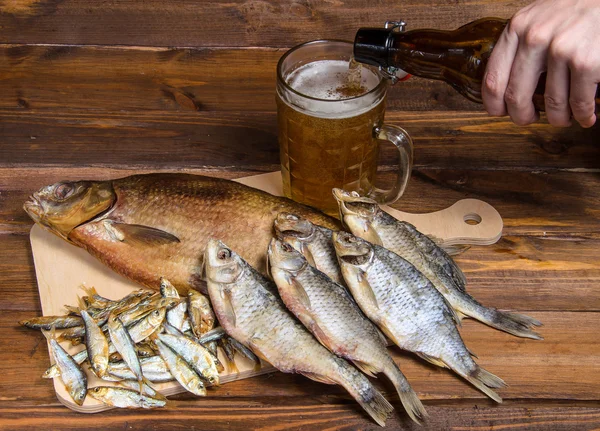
{"x": 167, "y": 290}
{"x": 79, "y": 393}
{"x": 221, "y": 264}
{"x": 352, "y": 250}
{"x": 283, "y": 256}
{"x": 291, "y": 227}
{"x": 63, "y": 206}
{"x": 359, "y": 214}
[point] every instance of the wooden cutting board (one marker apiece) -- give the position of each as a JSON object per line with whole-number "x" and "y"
{"x": 62, "y": 269}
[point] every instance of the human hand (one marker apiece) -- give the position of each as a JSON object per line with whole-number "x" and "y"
{"x": 561, "y": 37}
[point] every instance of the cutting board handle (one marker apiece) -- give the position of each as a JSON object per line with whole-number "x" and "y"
{"x": 468, "y": 221}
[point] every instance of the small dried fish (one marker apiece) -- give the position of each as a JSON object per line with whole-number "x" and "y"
{"x": 153, "y": 368}
{"x": 201, "y": 315}
{"x": 195, "y": 354}
{"x": 47, "y": 322}
{"x": 124, "y": 398}
{"x": 71, "y": 374}
{"x": 181, "y": 370}
{"x": 96, "y": 345}
{"x": 123, "y": 343}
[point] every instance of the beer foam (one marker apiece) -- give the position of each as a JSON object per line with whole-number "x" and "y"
{"x": 333, "y": 81}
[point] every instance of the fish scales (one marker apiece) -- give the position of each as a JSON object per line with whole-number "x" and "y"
{"x": 248, "y": 308}
{"x": 328, "y": 311}
{"x": 408, "y": 308}
{"x": 153, "y": 225}
{"x": 366, "y": 219}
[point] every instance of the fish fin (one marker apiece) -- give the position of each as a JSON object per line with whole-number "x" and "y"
{"x": 484, "y": 380}
{"x": 516, "y": 324}
{"x": 254, "y": 346}
{"x": 411, "y": 402}
{"x": 371, "y": 235}
{"x": 434, "y": 361}
{"x": 299, "y": 293}
{"x": 318, "y": 378}
{"x": 308, "y": 255}
{"x": 228, "y": 307}
{"x": 368, "y": 369}
{"x": 456, "y": 316}
{"x": 471, "y": 353}
{"x": 376, "y": 406}
{"x": 138, "y": 234}
{"x": 450, "y": 249}
{"x": 320, "y": 335}
{"x": 365, "y": 289}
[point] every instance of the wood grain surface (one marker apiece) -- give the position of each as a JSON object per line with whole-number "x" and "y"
{"x": 106, "y": 89}
{"x": 220, "y": 23}
{"x": 248, "y": 140}
{"x": 135, "y": 78}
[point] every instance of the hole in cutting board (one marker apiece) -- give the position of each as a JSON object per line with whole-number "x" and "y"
{"x": 472, "y": 219}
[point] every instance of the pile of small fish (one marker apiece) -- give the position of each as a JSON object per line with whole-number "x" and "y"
{"x": 139, "y": 340}
{"x": 318, "y": 298}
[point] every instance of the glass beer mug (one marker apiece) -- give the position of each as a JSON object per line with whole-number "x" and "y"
{"x": 330, "y": 121}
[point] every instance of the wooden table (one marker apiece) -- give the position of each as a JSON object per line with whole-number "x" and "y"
{"x": 96, "y": 90}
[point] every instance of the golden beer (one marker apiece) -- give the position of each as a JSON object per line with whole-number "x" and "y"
{"x": 330, "y": 122}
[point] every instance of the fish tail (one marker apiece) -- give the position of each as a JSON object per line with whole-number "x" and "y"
{"x": 514, "y": 323}
{"x": 411, "y": 402}
{"x": 484, "y": 381}
{"x": 365, "y": 393}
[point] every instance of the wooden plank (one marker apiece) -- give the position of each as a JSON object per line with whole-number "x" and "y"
{"x": 225, "y": 23}
{"x": 165, "y": 79}
{"x": 554, "y": 204}
{"x": 562, "y": 366}
{"x": 305, "y": 414}
{"x": 518, "y": 273}
{"x": 459, "y": 140}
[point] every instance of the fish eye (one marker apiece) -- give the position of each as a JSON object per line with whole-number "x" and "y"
{"x": 64, "y": 191}
{"x": 224, "y": 254}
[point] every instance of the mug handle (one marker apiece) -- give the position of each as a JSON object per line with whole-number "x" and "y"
{"x": 403, "y": 142}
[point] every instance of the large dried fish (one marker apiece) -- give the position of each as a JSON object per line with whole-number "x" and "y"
{"x": 247, "y": 307}
{"x": 366, "y": 220}
{"x": 327, "y": 310}
{"x": 314, "y": 242}
{"x": 149, "y": 226}
{"x": 408, "y": 308}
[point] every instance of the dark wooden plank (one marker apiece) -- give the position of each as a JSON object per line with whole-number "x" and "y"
{"x": 551, "y": 204}
{"x": 135, "y": 78}
{"x": 458, "y": 140}
{"x": 562, "y": 366}
{"x": 225, "y": 23}
{"x": 518, "y": 273}
{"x": 305, "y": 415}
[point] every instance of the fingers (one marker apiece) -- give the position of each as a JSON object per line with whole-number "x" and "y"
{"x": 529, "y": 63}
{"x": 556, "y": 95}
{"x": 497, "y": 73}
{"x": 582, "y": 96}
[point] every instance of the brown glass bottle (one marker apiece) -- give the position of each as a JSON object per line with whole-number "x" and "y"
{"x": 458, "y": 57}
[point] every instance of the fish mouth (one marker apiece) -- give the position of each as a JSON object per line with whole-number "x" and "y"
{"x": 34, "y": 209}
{"x": 283, "y": 256}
